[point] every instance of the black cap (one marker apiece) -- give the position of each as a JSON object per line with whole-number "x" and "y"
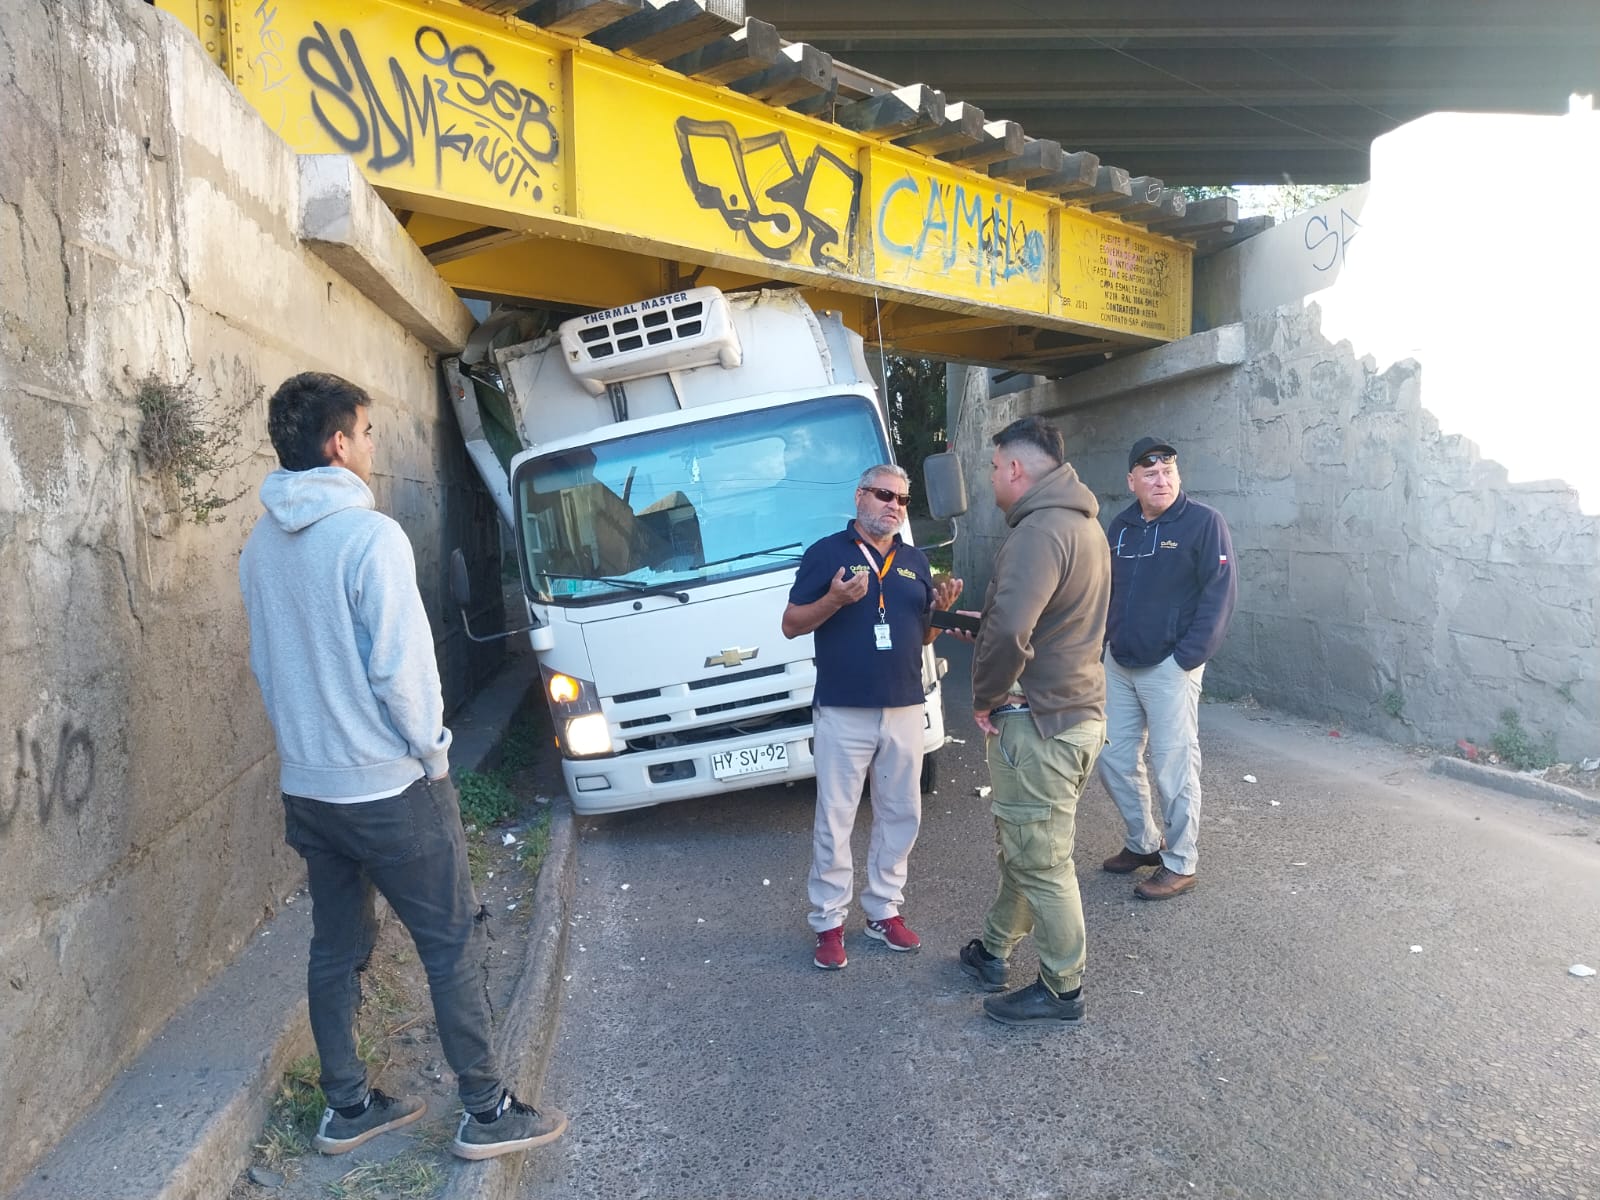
{"x": 1147, "y": 445}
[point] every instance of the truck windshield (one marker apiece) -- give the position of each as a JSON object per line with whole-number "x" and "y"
{"x": 696, "y": 503}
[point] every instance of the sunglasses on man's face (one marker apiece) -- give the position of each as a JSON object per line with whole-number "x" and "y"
{"x": 886, "y": 495}
{"x": 1150, "y": 460}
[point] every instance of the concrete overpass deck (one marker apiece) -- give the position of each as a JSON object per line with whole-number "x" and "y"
{"x": 586, "y": 153}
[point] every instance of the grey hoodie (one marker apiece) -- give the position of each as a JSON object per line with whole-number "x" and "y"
{"x": 339, "y": 640}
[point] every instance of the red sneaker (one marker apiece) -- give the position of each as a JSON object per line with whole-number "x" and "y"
{"x": 830, "y": 949}
{"x": 894, "y": 934}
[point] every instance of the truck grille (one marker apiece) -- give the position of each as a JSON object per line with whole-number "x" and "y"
{"x": 715, "y": 707}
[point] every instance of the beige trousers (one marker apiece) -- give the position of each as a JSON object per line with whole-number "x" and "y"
{"x": 850, "y": 744}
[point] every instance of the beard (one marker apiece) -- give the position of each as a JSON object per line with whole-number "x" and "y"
{"x": 877, "y": 525}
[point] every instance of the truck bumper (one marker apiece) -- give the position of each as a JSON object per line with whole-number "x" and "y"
{"x": 608, "y": 785}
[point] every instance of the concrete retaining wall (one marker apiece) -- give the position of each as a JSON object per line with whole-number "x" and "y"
{"x": 1390, "y": 578}
{"x": 149, "y": 228}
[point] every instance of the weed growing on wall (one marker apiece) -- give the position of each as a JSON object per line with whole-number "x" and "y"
{"x": 1517, "y": 747}
{"x": 191, "y": 442}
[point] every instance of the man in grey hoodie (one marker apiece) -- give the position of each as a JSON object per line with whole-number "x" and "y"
{"x": 341, "y": 647}
{"x": 1039, "y": 694}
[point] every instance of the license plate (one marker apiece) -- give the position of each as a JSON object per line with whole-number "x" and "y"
{"x": 750, "y": 761}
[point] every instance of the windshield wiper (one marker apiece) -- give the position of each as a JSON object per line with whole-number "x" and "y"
{"x": 717, "y": 562}
{"x": 667, "y": 589}
{"x": 633, "y": 585}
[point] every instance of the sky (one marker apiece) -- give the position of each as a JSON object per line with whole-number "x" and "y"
{"x": 1479, "y": 255}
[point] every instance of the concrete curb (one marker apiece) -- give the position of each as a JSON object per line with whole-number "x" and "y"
{"x": 1514, "y": 784}
{"x": 528, "y": 1031}
{"x": 180, "y": 1121}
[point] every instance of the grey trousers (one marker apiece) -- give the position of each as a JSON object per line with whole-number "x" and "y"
{"x": 411, "y": 848}
{"x": 850, "y": 742}
{"x": 1159, "y": 705}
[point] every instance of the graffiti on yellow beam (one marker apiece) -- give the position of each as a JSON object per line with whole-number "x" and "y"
{"x": 788, "y": 211}
{"x": 424, "y": 106}
{"x": 943, "y": 232}
{"x": 490, "y": 121}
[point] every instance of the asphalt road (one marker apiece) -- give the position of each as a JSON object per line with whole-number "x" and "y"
{"x": 1366, "y": 995}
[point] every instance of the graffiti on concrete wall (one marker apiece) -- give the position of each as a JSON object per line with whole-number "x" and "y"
{"x": 453, "y": 103}
{"x": 1327, "y": 241}
{"x": 789, "y": 211}
{"x": 59, "y": 780}
{"x": 940, "y": 226}
{"x": 270, "y": 63}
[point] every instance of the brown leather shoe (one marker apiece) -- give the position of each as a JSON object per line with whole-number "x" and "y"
{"x": 1163, "y": 885}
{"x": 1125, "y": 861}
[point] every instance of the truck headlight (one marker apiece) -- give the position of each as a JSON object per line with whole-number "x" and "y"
{"x": 563, "y": 689}
{"x": 587, "y": 735}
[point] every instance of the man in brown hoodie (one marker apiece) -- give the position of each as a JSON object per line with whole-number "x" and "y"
{"x": 1039, "y": 694}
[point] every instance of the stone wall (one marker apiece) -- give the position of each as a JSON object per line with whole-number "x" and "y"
{"x": 148, "y": 229}
{"x": 1389, "y": 577}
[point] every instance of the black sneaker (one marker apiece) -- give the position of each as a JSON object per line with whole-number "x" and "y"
{"x": 1035, "y": 1005}
{"x": 513, "y": 1126}
{"x": 339, "y": 1135}
{"x": 988, "y": 970}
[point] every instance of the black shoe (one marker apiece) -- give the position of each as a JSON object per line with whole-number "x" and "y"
{"x": 1035, "y": 1005}
{"x": 515, "y": 1126}
{"x": 988, "y": 970}
{"x": 338, "y": 1135}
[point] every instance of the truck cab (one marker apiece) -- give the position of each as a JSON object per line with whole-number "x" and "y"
{"x": 677, "y": 456}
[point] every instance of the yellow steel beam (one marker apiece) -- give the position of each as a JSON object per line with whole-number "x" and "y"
{"x": 620, "y": 176}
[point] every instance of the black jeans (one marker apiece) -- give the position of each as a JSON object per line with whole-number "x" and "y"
{"x": 412, "y": 849}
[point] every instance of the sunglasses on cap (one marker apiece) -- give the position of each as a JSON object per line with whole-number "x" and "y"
{"x": 1150, "y": 460}
{"x": 886, "y": 495}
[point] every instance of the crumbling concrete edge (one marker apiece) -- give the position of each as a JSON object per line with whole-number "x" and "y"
{"x": 1514, "y": 784}
{"x": 527, "y": 1033}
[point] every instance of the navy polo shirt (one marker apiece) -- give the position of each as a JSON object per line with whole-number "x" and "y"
{"x": 851, "y": 671}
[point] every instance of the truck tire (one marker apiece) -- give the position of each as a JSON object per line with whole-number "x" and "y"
{"x": 930, "y": 773}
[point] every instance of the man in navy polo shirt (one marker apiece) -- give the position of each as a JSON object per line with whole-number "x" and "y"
{"x": 866, "y": 595}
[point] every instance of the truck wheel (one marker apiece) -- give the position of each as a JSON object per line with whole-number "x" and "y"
{"x": 930, "y": 774}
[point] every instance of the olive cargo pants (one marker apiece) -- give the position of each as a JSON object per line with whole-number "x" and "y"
{"x": 1037, "y": 782}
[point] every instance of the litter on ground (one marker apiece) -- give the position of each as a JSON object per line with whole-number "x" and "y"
{"x": 1580, "y": 970}
{"x": 1249, "y": 778}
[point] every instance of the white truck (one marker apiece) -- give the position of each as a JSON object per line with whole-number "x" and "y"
{"x": 663, "y": 465}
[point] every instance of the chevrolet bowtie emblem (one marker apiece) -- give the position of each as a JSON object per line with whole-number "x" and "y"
{"x": 731, "y": 658}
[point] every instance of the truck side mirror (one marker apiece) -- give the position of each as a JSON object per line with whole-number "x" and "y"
{"x": 460, "y": 588}
{"x": 945, "y": 485}
{"x": 540, "y": 635}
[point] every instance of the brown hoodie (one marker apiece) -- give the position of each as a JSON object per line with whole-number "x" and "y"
{"x": 1044, "y": 618}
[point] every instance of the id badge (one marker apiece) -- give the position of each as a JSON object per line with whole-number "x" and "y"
{"x": 881, "y": 633}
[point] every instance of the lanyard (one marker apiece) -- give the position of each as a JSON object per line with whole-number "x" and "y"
{"x": 880, "y": 572}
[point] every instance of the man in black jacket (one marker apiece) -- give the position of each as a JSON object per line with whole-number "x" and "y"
{"x": 1172, "y": 593}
